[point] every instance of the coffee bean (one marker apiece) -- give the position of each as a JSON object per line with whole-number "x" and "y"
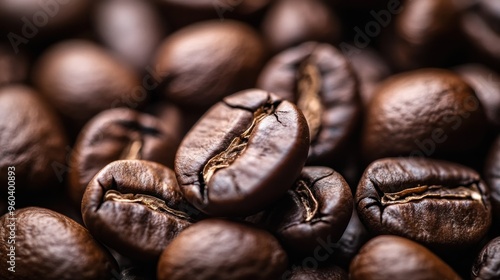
{"x": 32, "y": 141}
{"x": 318, "y": 206}
{"x": 136, "y": 208}
{"x": 320, "y": 80}
{"x": 481, "y": 25}
{"x": 423, "y": 113}
{"x": 290, "y": 22}
{"x": 424, "y": 34}
{"x": 82, "y": 79}
{"x": 392, "y": 257}
{"x": 486, "y": 84}
{"x": 243, "y": 154}
{"x": 119, "y": 134}
{"x": 131, "y": 29}
{"x": 488, "y": 262}
{"x": 442, "y": 205}
{"x": 49, "y": 246}
{"x": 219, "y": 249}
{"x": 204, "y": 62}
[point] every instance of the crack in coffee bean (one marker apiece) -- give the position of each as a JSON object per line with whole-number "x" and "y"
{"x": 432, "y": 191}
{"x": 149, "y": 201}
{"x": 302, "y": 194}
{"x": 308, "y": 99}
{"x": 237, "y": 145}
{"x": 133, "y": 149}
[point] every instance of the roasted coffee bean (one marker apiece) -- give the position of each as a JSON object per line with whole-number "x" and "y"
{"x": 224, "y": 250}
{"x": 392, "y": 257}
{"x": 32, "y": 141}
{"x": 81, "y": 79}
{"x": 423, "y": 113}
{"x": 291, "y": 22}
{"x": 486, "y": 84}
{"x": 14, "y": 66}
{"x": 318, "y": 206}
{"x": 29, "y": 20}
{"x": 48, "y": 245}
{"x": 132, "y": 29}
{"x": 481, "y": 25}
{"x": 321, "y": 273}
{"x": 492, "y": 178}
{"x": 120, "y": 133}
{"x": 204, "y": 62}
{"x": 136, "y": 208}
{"x": 371, "y": 70}
{"x": 487, "y": 262}
{"x": 442, "y": 205}
{"x": 320, "y": 80}
{"x": 243, "y": 154}
{"x": 424, "y": 34}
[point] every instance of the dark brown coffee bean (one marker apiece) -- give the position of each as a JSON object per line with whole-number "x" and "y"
{"x": 424, "y": 34}
{"x": 224, "y": 250}
{"x": 136, "y": 208}
{"x": 120, "y": 134}
{"x": 392, "y": 257}
{"x": 439, "y": 204}
{"x": 318, "y": 206}
{"x": 320, "y": 80}
{"x": 243, "y": 154}
{"x": 492, "y": 177}
{"x": 14, "y": 66}
{"x": 487, "y": 262}
{"x": 321, "y": 273}
{"x": 423, "y": 113}
{"x": 291, "y": 22}
{"x": 204, "y": 62}
{"x": 132, "y": 29}
{"x": 81, "y": 79}
{"x": 50, "y": 246}
{"x": 481, "y": 25}
{"x": 486, "y": 84}
{"x": 30, "y": 20}
{"x": 32, "y": 141}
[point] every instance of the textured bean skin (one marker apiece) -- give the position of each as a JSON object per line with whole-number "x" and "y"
{"x": 52, "y": 246}
{"x": 274, "y": 155}
{"x": 442, "y": 205}
{"x": 219, "y": 249}
{"x": 324, "y": 215}
{"x": 487, "y": 264}
{"x": 115, "y": 134}
{"x": 424, "y": 113}
{"x": 136, "y": 229}
{"x": 336, "y": 119}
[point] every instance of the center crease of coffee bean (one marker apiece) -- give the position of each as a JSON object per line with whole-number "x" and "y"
{"x": 309, "y": 99}
{"x": 433, "y": 191}
{"x": 133, "y": 149}
{"x": 237, "y": 145}
{"x": 303, "y": 195}
{"x": 149, "y": 201}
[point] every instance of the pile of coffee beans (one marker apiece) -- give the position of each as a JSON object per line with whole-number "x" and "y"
{"x": 250, "y": 139}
